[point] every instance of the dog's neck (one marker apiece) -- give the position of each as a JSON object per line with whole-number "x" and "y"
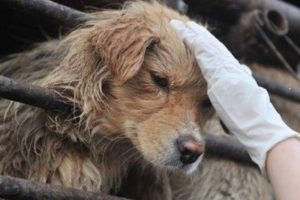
{"x": 113, "y": 155}
{"x": 111, "y": 151}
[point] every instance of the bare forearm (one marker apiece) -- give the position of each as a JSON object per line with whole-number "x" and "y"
{"x": 283, "y": 168}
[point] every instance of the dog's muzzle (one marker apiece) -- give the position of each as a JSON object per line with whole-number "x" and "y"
{"x": 190, "y": 150}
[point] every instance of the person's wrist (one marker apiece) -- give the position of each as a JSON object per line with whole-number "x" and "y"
{"x": 285, "y": 149}
{"x": 258, "y": 127}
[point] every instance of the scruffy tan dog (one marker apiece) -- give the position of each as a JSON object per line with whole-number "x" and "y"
{"x": 142, "y": 100}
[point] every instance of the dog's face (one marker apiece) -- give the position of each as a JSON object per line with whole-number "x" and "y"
{"x": 156, "y": 94}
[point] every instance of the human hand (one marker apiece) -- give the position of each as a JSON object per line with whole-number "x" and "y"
{"x": 242, "y": 105}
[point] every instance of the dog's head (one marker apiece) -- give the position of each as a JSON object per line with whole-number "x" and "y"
{"x": 141, "y": 80}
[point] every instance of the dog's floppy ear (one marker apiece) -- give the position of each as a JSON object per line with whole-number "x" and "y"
{"x": 123, "y": 44}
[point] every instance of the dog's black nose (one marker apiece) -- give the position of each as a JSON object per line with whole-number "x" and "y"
{"x": 189, "y": 149}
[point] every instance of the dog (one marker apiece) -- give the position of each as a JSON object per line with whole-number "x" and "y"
{"x": 142, "y": 102}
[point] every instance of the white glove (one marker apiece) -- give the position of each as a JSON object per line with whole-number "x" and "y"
{"x": 243, "y": 106}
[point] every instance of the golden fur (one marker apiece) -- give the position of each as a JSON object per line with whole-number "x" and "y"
{"x": 127, "y": 125}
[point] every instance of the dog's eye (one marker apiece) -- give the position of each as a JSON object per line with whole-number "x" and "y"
{"x": 206, "y": 103}
{"x": 206, "y": 108}
{"x": 160, "y": 81}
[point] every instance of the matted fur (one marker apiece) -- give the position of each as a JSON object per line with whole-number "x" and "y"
{"x": 104, "y": 68}
{"x": 127, "y": 123}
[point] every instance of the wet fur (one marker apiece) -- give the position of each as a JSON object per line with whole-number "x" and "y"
{"x": 99, "y": 68}
{"x": 91, "y": 152}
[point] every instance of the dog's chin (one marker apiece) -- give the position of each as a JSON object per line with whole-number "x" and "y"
{"x": 186, "y": 168}
{"x": 189, "y": 169}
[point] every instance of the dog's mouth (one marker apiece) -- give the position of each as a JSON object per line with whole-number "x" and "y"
{"x": 183, "y": 154}
{"x": 189, "y": 168}
{"x": 190, "y": 152}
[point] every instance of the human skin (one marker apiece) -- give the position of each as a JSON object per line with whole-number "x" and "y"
{"x": 283, "y": 170}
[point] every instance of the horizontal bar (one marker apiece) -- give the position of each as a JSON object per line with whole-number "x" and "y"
{"x": 32, "y": 95}
{"x": 65, "y": 15}
{"x": 21, "y": 189}
{"x": 279, "y": 88}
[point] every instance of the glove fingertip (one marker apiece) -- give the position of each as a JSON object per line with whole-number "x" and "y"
{"x": 178, "y": 25}
{"x": 196, "y": 27}
{"x": 247, "y": 69}
{"x": 192, "y": 23}
{"x": 183, "y": 31}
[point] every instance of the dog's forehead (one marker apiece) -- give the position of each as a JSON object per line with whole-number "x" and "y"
{"x": 172, "y": 57}
{"x": 176, "y": 60}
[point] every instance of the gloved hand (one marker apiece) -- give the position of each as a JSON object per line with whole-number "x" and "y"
{"x": 242, "y": 105}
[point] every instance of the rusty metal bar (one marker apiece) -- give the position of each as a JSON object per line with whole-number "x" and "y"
{"x": 32, "y": 95}
{"x": 277, "y": 29}
{"x": 21, "y": 189}
{"x": 261, "y": 36}
{"x": 279, "y": 88}
{"x": 230, "y": 11}
{"x": 62, "y": 14}
{"x": 227, "y": 148}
